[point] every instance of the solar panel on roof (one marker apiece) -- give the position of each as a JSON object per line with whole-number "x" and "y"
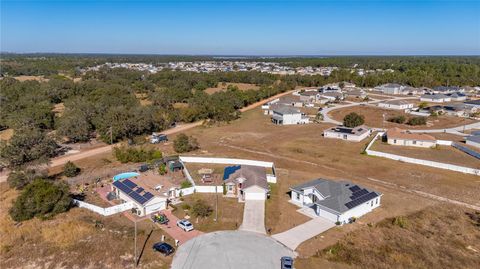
{"x": 361, "y": 200}
{"x": 148, "y": 195}
{"x": 354, "y": 188}
{"x": 137, "y": 197}
{"x": 359, "y": 193}
{"x": 230, "y": 170}
{"x": 119, "y": 185}
{"x": 129, "y": 183}
{"x": 139, "y": 190}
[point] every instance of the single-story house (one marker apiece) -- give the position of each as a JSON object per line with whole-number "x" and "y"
{"x": 435, "y": 98}
{"x": 396, "y": 104}
{"x": 286, "y": 115}
{"x": 473, "y": 140}
{"x": 447, "y": 89}
{"x": 473, "y": 103}
{"x": 144, "y": 201}
{"x": 332, "y": 96}
{"x": 326, "y": 89}
{"x": 246, "y": 182}
{"x": 309, "y": 96}
{"x": 399, "y": 137}
{"x": 337, "y": 201}
{"x": 357, "y": 93}
{"x": 391, "y": 88}
{"x": 457, "y": 96}
{"x": 356, "y": 134}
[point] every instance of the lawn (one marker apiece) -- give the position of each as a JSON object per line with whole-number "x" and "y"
{"x": 229, "y": 215}
{"x": 443, "y": 154}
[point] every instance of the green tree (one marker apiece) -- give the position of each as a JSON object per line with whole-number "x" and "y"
{"x": 423, "y": 105}
{"x": 417, "y": 121}
{"x": 184, "y": 143}
{"x": 353, "y": 120}
{"x": 70, "y": 169}
{"x": 28, "y": 146}
{"x": 201, "y": 209}
{"x": 41, "y": 198}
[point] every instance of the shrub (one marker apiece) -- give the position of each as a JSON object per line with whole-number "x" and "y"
{"x": 417, "y": 121}
{"x": 353, "y": 120}
{"x": 135, "y": 155}
{"x": 41, "y": 198}
{"x": 201, "y": 209}
{"x": 185, "y": 184}
{"x": 224, "y": 189}
{"x": 18, "y": 179}
{"x": 398, "y": 119}
{"x": 162, "y": 169}
{"x": 70, "y": 169}
{"x": 400, "y": 222}
{"x": 184, "y": 143}
{"x": 186, "y": 207}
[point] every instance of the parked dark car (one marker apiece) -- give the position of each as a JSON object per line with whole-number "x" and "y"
{"x": 163, "y": 248}
{"x": 287, "y": 262}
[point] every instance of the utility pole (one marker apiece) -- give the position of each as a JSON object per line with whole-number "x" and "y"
{"x": 135, "y": 255}
{"x": 216, "y": 203}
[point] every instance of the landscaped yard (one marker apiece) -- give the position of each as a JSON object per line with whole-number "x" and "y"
{"x": 443, "y": 154}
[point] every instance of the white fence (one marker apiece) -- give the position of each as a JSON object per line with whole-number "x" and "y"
{"x": 209, "y": 189}
{"x": 444, "y": 142}
{"x": 186, "y": 191}
{"x": 104, "y": 211}
{"x": 447, "y": 166}
{"x": 226, "y": 161}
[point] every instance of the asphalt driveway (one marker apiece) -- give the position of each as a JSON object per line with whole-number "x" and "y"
{"x": 253, "y": 217}
{"x": 230, "y": 249}
{"x": 295, "y": 236}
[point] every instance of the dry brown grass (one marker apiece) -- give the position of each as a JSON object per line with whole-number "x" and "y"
{"x": 230, "y": 212}
{"x": 437, "y": 237}
{"x": 444, "y": 154}
{"x": 25, "y": 78}
{"x": 223, "y": 87}
{"x": 374, "y": 118}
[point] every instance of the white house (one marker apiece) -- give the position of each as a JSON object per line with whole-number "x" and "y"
{"x": 391, "y": 88}
{"x": 356, "y": 134}
{"x": 457, "y": 96}
{"x": 246, "y": 182}
{"x": 144, "y": 202}
{"x": 399, "y": 137}
{"x": 447, "y": 89}
{"x": 474, "y": 140}
{"x": 332, "y": 96}
{"x": 396, "y": 104}
{"x": 337, "y": 201}
{"x": 435, "y": 98}
{"x": 286, "y": 115}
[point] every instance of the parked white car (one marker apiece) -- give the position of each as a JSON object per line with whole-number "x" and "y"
{"x": 185, "y": 225}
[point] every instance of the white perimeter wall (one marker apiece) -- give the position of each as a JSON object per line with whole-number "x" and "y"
{"x": 104, "y": 211}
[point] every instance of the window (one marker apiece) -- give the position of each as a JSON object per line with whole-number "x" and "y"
{"x": 394, "y": 141}
{"x": 297, "y": 196}
{"x": 376, "y": 201}
{"x": 414, "y": 142}
{"x": 371, "y": 204}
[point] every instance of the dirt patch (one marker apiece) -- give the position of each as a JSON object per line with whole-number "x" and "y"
{"x": 6, "y": 134}
{"x": 37, "y": 78}
{"x": 222, "y": 86}
{"x": 58, "y": 109}
{"x": 443, "y": 154}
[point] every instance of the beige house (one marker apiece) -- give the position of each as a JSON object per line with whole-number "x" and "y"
{"x": 399, "y": 137}
{"x": 246, "y": 182}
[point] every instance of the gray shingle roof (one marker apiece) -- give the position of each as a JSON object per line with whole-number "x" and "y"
{"x": 284, "y": 110}
{"x": 338, "y": 194}
{"x": 474, "y": 138}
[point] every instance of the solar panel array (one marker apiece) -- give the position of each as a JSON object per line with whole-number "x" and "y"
{"x": 361, "y": 200}
{"x": 230, "y": 170}
{"x": 354, "y": 188}
{"x": 127, "y": 187}
{"x": 359, "y": 193}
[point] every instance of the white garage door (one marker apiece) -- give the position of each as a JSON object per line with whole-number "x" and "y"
{"x": 255, "y": 196}
{"x": 328, "y": 215}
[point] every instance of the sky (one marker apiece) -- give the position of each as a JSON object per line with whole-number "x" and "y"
{"x": 382, "y": 27}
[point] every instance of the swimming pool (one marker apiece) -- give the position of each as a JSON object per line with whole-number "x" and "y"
{"x": 125, "y": 175}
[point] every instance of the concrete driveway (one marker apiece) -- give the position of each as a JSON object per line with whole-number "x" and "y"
{"x": 295, "y": 236}
{"x": 254, "y": 217}
{"x": 230, "y": 249}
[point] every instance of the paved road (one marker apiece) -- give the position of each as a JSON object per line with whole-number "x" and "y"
{"x": 253, "y": 217}
{"x": 230, "y": 249}
{"x": 454, "y": 130}
{"x": 297, "y": 235}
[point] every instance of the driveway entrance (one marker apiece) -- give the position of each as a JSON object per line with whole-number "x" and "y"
{"x": 254, "y": 216}
{"x": 295, "y": 236}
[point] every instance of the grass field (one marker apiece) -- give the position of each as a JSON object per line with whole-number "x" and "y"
{"x": 443, "y": 154}
{"x": 374, "y": 118}
{"x": 223, "y": 87}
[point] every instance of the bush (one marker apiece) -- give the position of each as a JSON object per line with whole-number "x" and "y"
{"x": 400, "y": 222}
{"x": 398, "y": 119}
{"x": 18, "y": 179}
{"x": 134, "y": 155}
{"x": 201, "y": 209}
{"x": 184, "y": 143}
{"x": 186, "y": 207}
{"x": 185, "y": 184}
{"x": 162, "y": 169}
{"x": 353, "y": 120}
{"x": 41, "y": 198}
{"x": 70, "y": 169}
{"x": 417, "y": 121}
